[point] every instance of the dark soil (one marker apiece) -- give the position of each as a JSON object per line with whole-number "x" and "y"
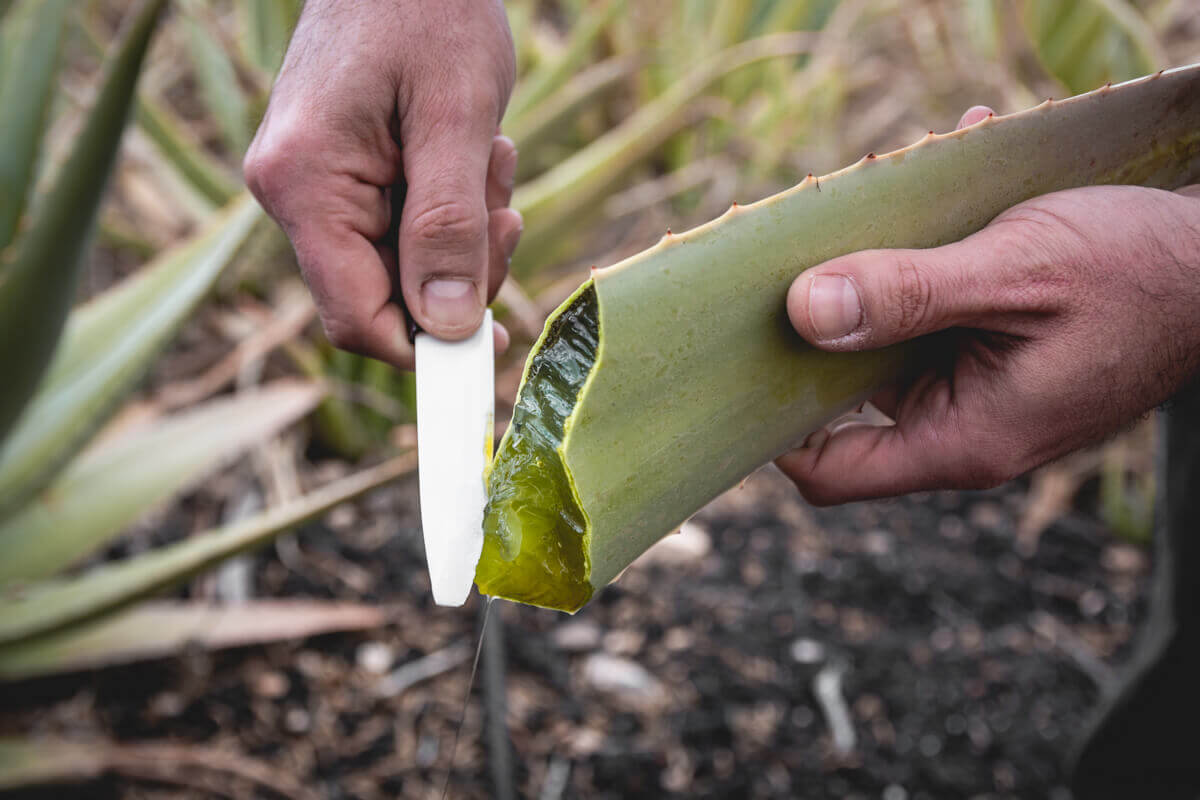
{"x": 967, "y": 670}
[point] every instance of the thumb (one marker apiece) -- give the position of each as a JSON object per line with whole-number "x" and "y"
{"x": 874, "y": 298}
{"x": 443, "y": 246}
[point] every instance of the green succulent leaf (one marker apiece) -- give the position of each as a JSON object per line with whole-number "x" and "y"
{"x": 217, "y": 80}
{"x": 108, "y": 345}
{"x": 38, "y": 282}
{"x": 41, "y": 608}
{"x": 35, "y": 40}
{"x": 112, "y": 483}
{"x": 1087, "y": 44}
{"x": 158, "y": 629}
{"x": 266, "y": 27}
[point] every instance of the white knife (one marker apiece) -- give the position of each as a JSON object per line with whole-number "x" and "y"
{"x": 455, "y": 422}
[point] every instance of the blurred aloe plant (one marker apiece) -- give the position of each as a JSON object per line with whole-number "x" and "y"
{"x": 71, "y": 477}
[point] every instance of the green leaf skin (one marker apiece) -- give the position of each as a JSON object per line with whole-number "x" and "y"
{"x": 699, "y": 377}
{"x": 38, "y": 283}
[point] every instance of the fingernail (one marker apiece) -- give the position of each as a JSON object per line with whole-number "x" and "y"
{"x": 506, "y": 170}
{"x": 450, "y": 303}
{"x": 833, "y": 306}
{"x": 511, "y": 238}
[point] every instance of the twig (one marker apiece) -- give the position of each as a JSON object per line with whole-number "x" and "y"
{"x": 430, "y": 666}
{"x": 827, "y": 687}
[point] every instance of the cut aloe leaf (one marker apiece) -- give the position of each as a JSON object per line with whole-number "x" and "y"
{"x": 37, "y": 283}
{"x": 670, "y": 376}
{"x": 108, "y": 345}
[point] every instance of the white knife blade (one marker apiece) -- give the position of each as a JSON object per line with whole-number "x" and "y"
{"x": 455, "y": 421}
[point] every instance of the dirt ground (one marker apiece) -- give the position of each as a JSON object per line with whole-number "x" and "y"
{"x": 891, "y": 650}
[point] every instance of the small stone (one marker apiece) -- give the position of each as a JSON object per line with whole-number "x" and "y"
{"x": 1123, "y": 558}
{"x": 1092, "y": 602}
{"x": 624, "y": 642}
{"x": 689, "y": 545}
{"x": 877, "y": 543}
{"x": 678, "y": 638}
{"x": 577, "y": 637}
{"x": 375, "y": 657}
{"x": 894, "y": 792}
{"x": 988, "y": 516}
{"x": 608, "y": 673}
{"x": 942, "y": 639}
{"x": 271, "y": 684}
{"x": 808, "y": 651}
{"x": 297, "y": 720}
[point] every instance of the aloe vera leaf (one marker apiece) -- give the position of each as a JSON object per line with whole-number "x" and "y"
{"x": 217, "y": 79}
{"x": 51, "y": 605}
{"x": 182, "y": 151}
{"x": 157, "y": 629}
{"x": 577, "y": 182}
{"x": 38, "y": 283}
{"x": 109, "y": 486}
{"x": 1085, "y": 44}
{"x": 25, "y": 96}
{"x": 545, "y": 80}
{"x": 266, "y": 27}
{"x": 531, "y": 131}
{"x": 698, "y": 377}
{"x": 107, "y": 346}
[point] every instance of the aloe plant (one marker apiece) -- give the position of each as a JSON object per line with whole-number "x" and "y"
{"x": 666, "y": 378}
{"x": 39, "y": 268}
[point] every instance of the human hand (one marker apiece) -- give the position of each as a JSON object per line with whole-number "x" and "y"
{"x": 1066, "y": 318}
{"x": 360, "y": 80}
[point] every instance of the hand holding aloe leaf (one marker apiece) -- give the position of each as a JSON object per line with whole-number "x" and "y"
{"x": 1063, "y": 320}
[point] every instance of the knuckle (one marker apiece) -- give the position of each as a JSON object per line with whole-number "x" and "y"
{"x": 447, "y": 225}
{"x": 270, "y": 164}
{"x": 344, "y": 334}
{"x": 914, "y": 296}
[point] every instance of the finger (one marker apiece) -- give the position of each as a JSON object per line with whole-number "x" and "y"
{"x": 443, "y": 244}
{"x": 974, "y": 114}
{"x": 874, "y": 298}
{"x": 351, "y": 281}
{"x": 504, "y": 231}
{"x": 502, "y": 170}
{"x": 917, "y": 454}
{"x": 500, "y": 338}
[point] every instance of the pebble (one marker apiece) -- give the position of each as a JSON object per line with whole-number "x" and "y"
{"x": 808, "y": 651}
{"x": 608, "y": 673}
{"x": 689, "y": 545}
{"x": 577, "y": 637}
{"x": 375, "y": 657}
